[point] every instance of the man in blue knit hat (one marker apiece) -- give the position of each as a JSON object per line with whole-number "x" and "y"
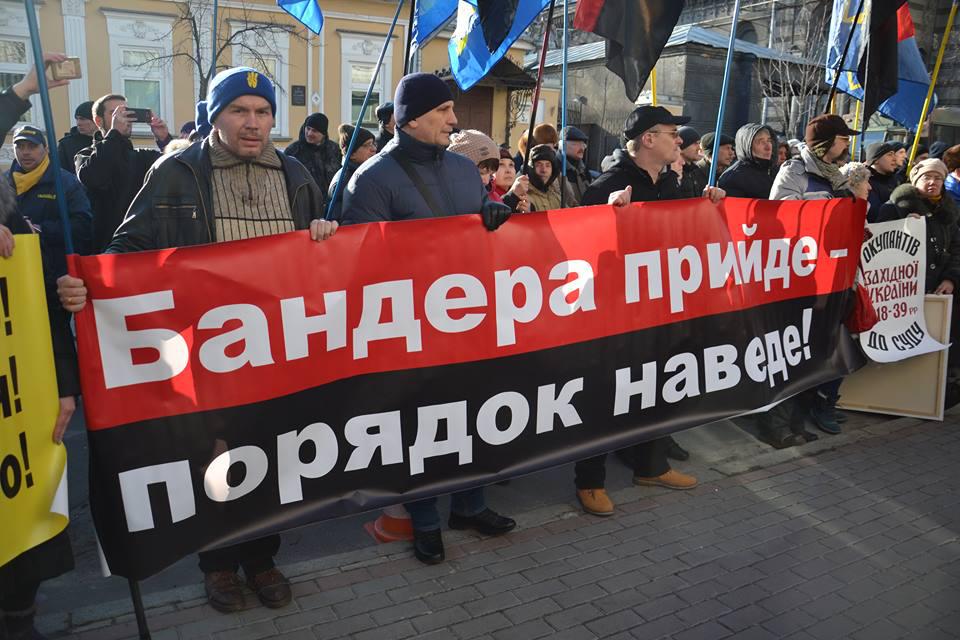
{"x": 415, "y": 177}
{"x": 231, "y": 185}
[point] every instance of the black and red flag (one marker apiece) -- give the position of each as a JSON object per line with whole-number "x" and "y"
{"x": 636, "y": 32}
{"x": 880, "y": 68}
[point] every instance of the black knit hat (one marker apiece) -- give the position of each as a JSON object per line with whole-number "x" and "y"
{"x": 317, "y": 121}
{"x": 418, "y": 93}
{"x": 543, "y": 152}
{"x": 877, "y": 150}
{"x": 84, "y": 110}
{"x": 708, "y": 139}
{"x": 346, "y": 132}
{"x": 688, "y": 136}
{"x": 384, "y": 112}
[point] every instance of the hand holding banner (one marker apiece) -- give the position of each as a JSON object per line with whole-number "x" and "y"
{"x": 33, "y": 504}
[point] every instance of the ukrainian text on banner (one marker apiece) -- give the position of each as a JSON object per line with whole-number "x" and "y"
{"x": 894, "y": 260}
{"x": 237, "y": 389}
{"x": 33, "y": 489}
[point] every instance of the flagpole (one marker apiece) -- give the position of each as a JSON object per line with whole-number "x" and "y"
{"x": 48, "y": 121}
{"x": 363, "y": 107}
{"x": 843, "y": 56}
{"x": 536, "y": 92}
{"x": 856, "y": 127}
{"x": 406, "y": 51}
{"x": 653, "y": 85}
{"x": 563, "y": 112}
{"x": 213, "y": 45}
{"x": 723, "y": 95}
{"x": 933, "y": 82}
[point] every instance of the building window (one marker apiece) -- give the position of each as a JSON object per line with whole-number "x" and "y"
{"x": 141, "y": 63}
{"x": 360, "y": 75}
{"x": 358, "y": 54}
{"x": 13, "y": 66}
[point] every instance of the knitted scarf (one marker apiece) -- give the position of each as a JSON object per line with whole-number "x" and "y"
{"x": 24, "y": 181}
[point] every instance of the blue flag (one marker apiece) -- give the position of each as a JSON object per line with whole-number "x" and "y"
{"x": 306, "y": 12}
{"x": 471, "y": 57}
{"x": 841, "y": 23}
{"x": 429, "y": 18}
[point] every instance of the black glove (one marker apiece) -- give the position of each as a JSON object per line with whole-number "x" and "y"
{"x": 494, "y": 214}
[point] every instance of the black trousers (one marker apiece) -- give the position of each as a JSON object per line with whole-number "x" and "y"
{"x": 649, "y": 461}
{"x": 255, "y": 556}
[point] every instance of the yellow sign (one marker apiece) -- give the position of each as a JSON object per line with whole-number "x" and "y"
{"x": 33, "y": 491}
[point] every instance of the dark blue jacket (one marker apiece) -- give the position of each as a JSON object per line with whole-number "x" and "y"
{"x": 39, "y": 207}
{"x": 345, "y": 173}
{"x": 381, "y": 191}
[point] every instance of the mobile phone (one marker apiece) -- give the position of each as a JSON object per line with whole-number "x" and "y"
{"x": 142, "y": 115}
{"x": 69, "y": 69}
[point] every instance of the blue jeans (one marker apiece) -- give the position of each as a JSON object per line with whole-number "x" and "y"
{"x": 425, "y": 517}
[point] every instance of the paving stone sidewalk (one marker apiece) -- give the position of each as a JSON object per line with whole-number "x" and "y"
{"x": 858, "y": 542}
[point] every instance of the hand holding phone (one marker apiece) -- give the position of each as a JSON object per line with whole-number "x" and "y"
{"x": 141, "y": 115}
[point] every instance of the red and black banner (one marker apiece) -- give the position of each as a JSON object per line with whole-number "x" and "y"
{"x": 237, "y": 389}
{"x": 636, "y": 32}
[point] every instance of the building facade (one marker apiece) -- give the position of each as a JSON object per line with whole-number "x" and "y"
{"x": 158, "y": 52}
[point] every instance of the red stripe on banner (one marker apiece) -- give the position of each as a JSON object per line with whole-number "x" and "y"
{"x": 588, "y": 12}
{"x": 219, "y": 311}
{"x": 905, "y": 28}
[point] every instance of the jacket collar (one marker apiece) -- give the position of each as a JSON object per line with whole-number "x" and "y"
{"x": 416, "y": 150}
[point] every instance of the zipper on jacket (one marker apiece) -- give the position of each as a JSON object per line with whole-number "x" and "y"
{"x": 203, "y": 205}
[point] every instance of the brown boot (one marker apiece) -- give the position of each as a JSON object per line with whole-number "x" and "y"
{"x": 224, "y": 591}
{"x": 672, "y": 479}
{"x": 272, "y": 587}
{"x": 595, "y": 501}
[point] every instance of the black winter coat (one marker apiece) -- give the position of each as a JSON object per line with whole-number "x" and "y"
{"x": 175, "y": 206}
{"x": 68, "y": 148}
{"x": 321, "y": 160}
{"x": 113, "y": 172}
{"x": 749, "y": 177}
{"x": 626, "y": 172}
{"x": 383, "y": 137}
{"x": 881, "y": 188}
{"x": 943, "y": 234}
{"x": 693, "y": 181}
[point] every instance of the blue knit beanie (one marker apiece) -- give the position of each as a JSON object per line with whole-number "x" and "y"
{"x": 417, "y": 94}
{"x": 230, "y": 84}
{"x": 203, "y": 124}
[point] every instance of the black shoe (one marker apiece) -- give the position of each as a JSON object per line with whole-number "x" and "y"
{"x": 487, "y": 522}
{"x": 784, "y": 442}
{"x": 428, "y": 546}
{"x": 809, "y": 436}
{"x": 676, "y": 452}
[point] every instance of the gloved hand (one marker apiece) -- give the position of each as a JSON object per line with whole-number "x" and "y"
{"x": 494, "y": 214}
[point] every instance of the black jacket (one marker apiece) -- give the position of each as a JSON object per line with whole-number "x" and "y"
{"x": 881, "y": 188}
{"x": 11, "y": 108}
{"x": 626, "y": 172}
{"x": 943, "y": 234}
{"x": 113, "y": 172}
{"x": 69, "y": 146}
{"x": 346, "y": 172}
{"x": 321, "y": 160}
{"x": 693, "y": 181}
{"x": 175, "y": 206}
{"x": 383, "y": 137}
{"x": 749, "y": 177}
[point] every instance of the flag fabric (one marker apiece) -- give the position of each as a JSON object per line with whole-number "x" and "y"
{"x": 471, "y": 55}
{"x": 905, "y": 106}
{"x": 429, "y": 17}
{"x": 872, "y": 59}
{"x": 306, "y": 12}
{"x": 636, "y": 32}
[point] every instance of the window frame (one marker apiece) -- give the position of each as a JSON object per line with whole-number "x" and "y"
{"x": 280, "y": 43}
{"x": 363, "y": 50}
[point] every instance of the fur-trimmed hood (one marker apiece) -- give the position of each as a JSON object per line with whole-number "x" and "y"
{"x": 908, "y": 199}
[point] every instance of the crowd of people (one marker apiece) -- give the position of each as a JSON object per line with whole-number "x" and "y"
{"x": 223, "y": 179}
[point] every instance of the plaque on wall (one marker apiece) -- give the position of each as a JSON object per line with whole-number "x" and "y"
{"x": 298, "y": 95}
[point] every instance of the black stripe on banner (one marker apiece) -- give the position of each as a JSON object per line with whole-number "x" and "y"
{"x": 188, "y": 444}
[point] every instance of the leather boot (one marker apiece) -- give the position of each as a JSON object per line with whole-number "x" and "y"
{"x": 488, "y": 522}
{"x": 428, "y": 546}
{"x": 823, "y": 412}
{"x": 595, "y": 501}
{"x": 271, "y": 587}
{"x": 224, "y": 591}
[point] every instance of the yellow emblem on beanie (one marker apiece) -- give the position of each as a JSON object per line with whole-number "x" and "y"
{"x": 252, "y": 77}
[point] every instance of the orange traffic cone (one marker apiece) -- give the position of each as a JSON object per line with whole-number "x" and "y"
{"x": 393, "y": 525}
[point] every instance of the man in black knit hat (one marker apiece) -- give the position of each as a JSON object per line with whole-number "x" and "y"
{"x": 316, "y": 151}
{"x": 415, "y": 176}
{"x": 388, "y": 125}
{"x": 79, "y": 137}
